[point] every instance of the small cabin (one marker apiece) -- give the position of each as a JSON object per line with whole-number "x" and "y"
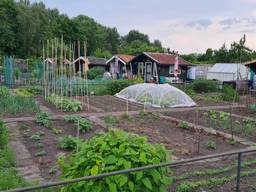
{"x": 160, "y": 66}
{"x": 119, "y": 66}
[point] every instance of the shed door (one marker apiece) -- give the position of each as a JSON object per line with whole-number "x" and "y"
{"x": 148, "y": 71}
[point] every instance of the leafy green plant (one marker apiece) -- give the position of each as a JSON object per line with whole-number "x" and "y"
{"x": 67, "y": 105}
{"x": 112, "y": 151}
{"x": 40, "y": 153}
{"x": 183, "y": 125}
{"x": 84, "y": 124}
{"x": 249, "y": 127}
{"x": 211, "y": 145}
{"x": 110, "y": 120}
{"x": 56, "y": 131}
{"x": 43, "y": 118}
{"x": 35, "y": 137}
{"x": 69, "y": 142}
{"x": 229, "y": 94}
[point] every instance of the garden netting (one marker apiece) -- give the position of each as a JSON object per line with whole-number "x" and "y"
{"x": 162, "y": 95}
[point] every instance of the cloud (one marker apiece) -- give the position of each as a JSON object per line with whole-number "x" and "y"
{"x": 198, "y": 35}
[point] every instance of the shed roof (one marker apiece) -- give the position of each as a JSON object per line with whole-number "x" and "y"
{"x": 226, "y": 68}
{"x": 97, "y": 61}
{"x": 166, "y": 58}
{"x": 248, "y": 63}
{"x": 124, "y": 58}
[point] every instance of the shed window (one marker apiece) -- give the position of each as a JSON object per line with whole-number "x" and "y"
{"x": 171, "y": 69}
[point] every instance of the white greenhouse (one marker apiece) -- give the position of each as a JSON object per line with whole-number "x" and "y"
{"x": 156, "y": 95}
{"x": 228, "y": 72}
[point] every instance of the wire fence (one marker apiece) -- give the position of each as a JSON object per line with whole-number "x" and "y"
{"x": 237, "y": 154}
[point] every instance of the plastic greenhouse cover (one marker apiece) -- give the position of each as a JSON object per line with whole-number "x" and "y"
{"x": 156, "y": 95}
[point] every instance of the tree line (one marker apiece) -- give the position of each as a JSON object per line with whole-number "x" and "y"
{"x": 237, "y": 52}
{"x": 25, "y": 26}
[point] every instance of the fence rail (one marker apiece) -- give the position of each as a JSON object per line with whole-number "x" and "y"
{"x": 239, "y": 154}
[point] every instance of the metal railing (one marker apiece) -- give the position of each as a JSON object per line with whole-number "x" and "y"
{"x": 239, "y": 154}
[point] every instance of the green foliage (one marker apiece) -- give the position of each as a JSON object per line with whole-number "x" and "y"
{"x": 84, "y": 124}
{"x": 112, "y": 151}
{"x": 183, "y": 125}
{"x": 4, "y": 91}
{"x": 204, "y": 86}
{"x": 116, "y": 86}
{"x": 229, "y": 94}
{"x": 95, "y": 73}
{"x": 67, "y": 105}
{"x": 110, "y": 120}
{"x": 211, "y": 145}
{"x": 43, "y": 118}
{"x": 102, "y": 53}
{"x": 23, "y": 92}
{"x": 69, "y": 142}
{"x": 17, "y": 104}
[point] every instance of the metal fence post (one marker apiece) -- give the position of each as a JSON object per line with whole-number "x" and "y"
{"x": 239, "y": 159}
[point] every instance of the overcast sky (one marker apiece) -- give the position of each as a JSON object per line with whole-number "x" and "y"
{"x": 184, "y": 25}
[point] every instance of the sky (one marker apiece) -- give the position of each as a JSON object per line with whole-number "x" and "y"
{"x": 183, "y": 25}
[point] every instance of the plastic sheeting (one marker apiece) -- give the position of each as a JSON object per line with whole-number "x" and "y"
{"x": 163, "y": 95}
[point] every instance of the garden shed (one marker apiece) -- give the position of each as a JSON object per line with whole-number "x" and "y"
{"x": 252, "y": 67}
{"x": 160, "y": 66}
{"x": 119, "y": 66}
{"x": 228, "y": 72}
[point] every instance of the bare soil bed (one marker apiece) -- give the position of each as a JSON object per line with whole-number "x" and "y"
{"x": 202, "y": 102}
{"x": 48, "y": 144}
{"x": 112, "y": 104}
{"x": 182, "y": 142}
{"x": 243, "y": 111}
{"x": 236, "y": 125}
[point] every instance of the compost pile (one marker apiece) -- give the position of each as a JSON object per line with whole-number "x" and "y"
{"x": 162, "y": 95}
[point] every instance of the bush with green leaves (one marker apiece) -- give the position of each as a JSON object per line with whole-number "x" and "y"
{"x": 183, "y": 125}
{"x": 66, "y": 104}
{"x": 69, "y": 142}
{"x": 112, "y": 151}
{"x": 204, "y": 86}
{"x": 43, "y": 118}
{"x": 84, "y": 124}
{"x": 95, "y": 73}
{"x": 229, "y": 94}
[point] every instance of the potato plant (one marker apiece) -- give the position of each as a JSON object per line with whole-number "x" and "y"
{"x": 67, "y": 105}
{"x": 83, "y": 124}
{"x": 112, "y": 151}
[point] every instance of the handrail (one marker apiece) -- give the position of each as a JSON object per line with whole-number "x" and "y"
{"x": 168, "y": 164}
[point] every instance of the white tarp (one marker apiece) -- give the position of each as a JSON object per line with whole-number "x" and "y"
{"x": 156, "y": 95}
{"x": 228, "y": 72}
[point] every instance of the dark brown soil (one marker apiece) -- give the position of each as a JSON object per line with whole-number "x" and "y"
{"x": 201, "y": 102}
{"x": 242, "y": 111}
{"x": 50, "y": 143}
{"x": 236, "y": 124}
{"x": 182, "y": 142}
{"x": 113, "y": 104}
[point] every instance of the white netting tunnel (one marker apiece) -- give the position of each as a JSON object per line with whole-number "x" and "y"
{"x": 162, "y": 95}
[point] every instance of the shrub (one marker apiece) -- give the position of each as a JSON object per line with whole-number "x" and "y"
{"x": 116, "y": 86}
{"x": 112, "y": 151}
{"x": 69, "y": 142}
{"x": 204, "y": 86}
{"x": 110, "y": 120}
{"x": 229, "y": 94}
{"x": 42, "y": 118}
{"x": 183, "y": 125}
{"x": 95, "y": 73}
